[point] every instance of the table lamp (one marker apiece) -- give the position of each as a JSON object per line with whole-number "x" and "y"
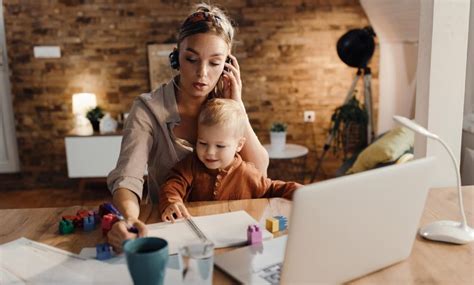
{"x": 81, "y": 104}
{"x": 444, "y": 231}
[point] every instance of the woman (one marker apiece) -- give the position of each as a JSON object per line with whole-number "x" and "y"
{"x": 161, "y": 127}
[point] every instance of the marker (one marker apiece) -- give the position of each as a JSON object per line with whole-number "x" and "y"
{"x": 111, "y": 208}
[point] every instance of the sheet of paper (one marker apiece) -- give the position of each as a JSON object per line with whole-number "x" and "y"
{"x": 23, "y": 261}
{"x": 174, "y": 269}
{"x": 228, "y": 229}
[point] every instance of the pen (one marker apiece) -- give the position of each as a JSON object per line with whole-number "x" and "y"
{"x": 196, "y": 229}
{"x": 111, "y": 208}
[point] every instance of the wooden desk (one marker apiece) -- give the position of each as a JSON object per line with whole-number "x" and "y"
{"x": 429, "y": 263}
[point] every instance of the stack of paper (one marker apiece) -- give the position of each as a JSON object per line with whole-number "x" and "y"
{"x": 24, "y": 261}
{"x": 27, "y": 262}
{"x": 224, "y": 230}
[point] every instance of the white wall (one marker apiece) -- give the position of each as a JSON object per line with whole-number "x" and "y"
{"x": 441, "y": 76}
{"x": 8, "y": 147}
{"x": 396, "y": 26}
{"x": 397, "y": 79}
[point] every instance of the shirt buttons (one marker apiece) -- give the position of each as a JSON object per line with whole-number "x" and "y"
{"x": 217, "y": 184}
{"x": 219, "y": 177}
{"x": 215, "y": 193}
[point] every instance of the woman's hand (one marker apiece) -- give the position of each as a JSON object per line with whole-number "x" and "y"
{"x": 177, "y": 209}
{"x": 232, "y": 81}
{"x": 119, "y": 232}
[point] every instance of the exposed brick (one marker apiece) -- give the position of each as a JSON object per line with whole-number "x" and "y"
{"x": 286, "y": 51}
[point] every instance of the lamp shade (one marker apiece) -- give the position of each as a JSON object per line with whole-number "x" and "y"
{"x": 414, "y": 126}
{"x": 82, "y": 102}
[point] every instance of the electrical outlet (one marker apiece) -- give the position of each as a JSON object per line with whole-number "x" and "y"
{"x": 309, "y": 116}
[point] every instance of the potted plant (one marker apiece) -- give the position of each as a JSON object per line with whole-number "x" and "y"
{"x": 94, "y": 115}
{"x": 278, "y": 136}
{"x": 349, "y": 127}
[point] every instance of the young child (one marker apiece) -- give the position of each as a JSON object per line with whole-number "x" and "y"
{"x": 215, "y": 171}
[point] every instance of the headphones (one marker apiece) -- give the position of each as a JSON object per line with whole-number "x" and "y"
{"x": 174, "y": 59}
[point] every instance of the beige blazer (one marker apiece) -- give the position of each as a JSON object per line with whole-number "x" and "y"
{"x": 149, "y": 143}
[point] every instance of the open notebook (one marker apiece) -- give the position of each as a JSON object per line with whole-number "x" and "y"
{"x": 228, "y": 229}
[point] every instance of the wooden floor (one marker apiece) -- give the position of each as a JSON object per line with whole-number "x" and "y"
{"x": 92, "y": 195}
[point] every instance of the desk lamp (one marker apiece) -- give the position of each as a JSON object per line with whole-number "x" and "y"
{"x": 445, "y": 231}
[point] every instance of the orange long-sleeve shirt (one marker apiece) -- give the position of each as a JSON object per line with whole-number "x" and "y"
{"x": 190, "y": 180}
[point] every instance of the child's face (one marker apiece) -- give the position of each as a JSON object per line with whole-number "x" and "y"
{"x": 217, "y": 145}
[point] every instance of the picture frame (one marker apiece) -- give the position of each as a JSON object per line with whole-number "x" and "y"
{"x": 160, "y": 70}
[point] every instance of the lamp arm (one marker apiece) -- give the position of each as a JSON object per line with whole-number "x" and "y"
{"x": 458, "y": 178}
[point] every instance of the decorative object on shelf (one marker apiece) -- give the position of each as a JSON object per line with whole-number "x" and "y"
{"x": 444, "y": 231}
{"x": 81, "y": 103}
{"x": 278, "y": 136}
{"x": 94, "y": 115}
{"x": 108, "y": 124}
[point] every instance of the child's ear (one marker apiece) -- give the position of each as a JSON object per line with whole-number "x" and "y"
{"x": 240, "y": 144}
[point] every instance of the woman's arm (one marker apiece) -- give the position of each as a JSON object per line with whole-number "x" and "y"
{"x": 127, "y": 203}
{"x": 253, "y": 151}
{"x": 129, "y": 206}
{"x": 126, "y": 180}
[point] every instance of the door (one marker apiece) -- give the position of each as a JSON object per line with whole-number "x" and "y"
{"x": 8, "y": 147}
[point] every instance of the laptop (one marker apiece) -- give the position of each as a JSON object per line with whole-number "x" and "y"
{"x": 340, "y": 229}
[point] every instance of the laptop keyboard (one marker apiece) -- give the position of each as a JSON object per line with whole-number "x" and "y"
{"x": 271, "y": 273}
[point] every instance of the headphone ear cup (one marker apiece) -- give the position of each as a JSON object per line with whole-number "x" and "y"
{"x": 174, "y": 59}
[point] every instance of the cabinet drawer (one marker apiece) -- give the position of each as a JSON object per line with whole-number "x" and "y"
{"x": 93, "y": 156}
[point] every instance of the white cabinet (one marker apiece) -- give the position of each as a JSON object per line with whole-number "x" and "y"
{"x": 92, "y": 156}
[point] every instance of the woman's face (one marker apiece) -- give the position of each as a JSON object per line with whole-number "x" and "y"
{"x": 201, "y": 62}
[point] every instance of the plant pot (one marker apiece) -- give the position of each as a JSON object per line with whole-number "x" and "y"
{"x": 95, "y": 125}
{"x": 278, "y": 140}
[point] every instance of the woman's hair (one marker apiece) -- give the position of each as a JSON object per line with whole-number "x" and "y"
{"x": 224, "y": 112}
{"x": 206, "y": 18}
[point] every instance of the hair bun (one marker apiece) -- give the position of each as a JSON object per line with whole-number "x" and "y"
{"x": 224, "y": 24}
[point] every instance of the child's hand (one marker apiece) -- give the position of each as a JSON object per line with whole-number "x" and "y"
{"x": 175, "y": 211}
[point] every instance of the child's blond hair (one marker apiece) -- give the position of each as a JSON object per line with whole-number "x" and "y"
{"x": 224, "y": 112}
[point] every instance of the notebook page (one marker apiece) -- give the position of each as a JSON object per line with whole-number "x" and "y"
{"x": 228, "y": 229}
{"x": 177, "y": 234}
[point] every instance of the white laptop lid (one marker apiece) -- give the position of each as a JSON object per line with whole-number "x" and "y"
{"x": 344, "y": 228}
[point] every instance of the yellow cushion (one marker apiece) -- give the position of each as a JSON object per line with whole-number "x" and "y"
{"x": 386, "y": 149}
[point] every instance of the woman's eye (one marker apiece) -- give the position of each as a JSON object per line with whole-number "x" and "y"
{"x": 221, "y": 146}
{"x": 202, "y": 143}
{"x": 192, "y": 60}
{"x": 215, "y": 63}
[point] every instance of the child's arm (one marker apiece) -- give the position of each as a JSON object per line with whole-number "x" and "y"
{"x": 177, "y": 210}
{"x": 277, "y": 188}
{"x": 174, "y": 190}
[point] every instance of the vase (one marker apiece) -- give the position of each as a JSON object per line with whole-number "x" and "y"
{"x": 108, "y": 124}
{"x": 278, "y": 140}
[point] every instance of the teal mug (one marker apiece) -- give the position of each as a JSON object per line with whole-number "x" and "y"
{"x": 147, "y": 258}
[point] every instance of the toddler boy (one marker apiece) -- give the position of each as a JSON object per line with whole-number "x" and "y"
{"x": 215, "y": 170}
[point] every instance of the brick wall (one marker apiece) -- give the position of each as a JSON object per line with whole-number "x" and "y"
{"x": 286, "y": 52}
